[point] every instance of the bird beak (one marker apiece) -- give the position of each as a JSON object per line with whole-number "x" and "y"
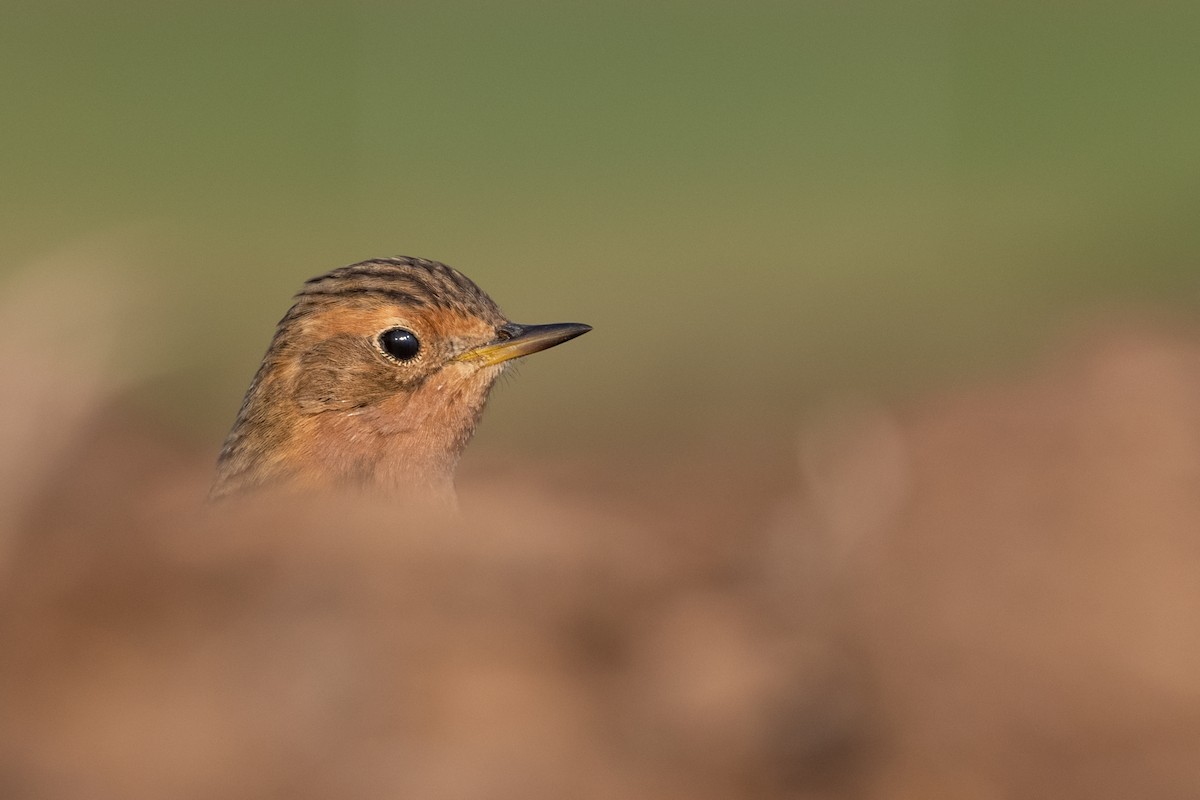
{"x": 523, "y": 340}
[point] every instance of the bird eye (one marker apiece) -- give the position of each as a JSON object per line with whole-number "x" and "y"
{"x": 400, "y": 344}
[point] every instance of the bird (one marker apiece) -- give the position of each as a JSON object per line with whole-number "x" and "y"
{"x": 375, "y": 379}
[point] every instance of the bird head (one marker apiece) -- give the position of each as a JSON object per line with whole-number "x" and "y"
{"x": 376, "y": 377}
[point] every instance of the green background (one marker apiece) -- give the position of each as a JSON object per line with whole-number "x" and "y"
{"x": 755, "y": 204}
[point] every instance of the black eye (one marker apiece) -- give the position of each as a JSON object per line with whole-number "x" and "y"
{"x": 400, "y": 344}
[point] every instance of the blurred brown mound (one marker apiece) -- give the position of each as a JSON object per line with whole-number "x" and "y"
{"x": 1029, "y": 611}
{"x": 991, "y": 596}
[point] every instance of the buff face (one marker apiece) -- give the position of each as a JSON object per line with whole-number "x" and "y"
{"x": 376, "y": 377}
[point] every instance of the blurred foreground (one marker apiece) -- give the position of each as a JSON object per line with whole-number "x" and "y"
{"x": 990, "y": 594}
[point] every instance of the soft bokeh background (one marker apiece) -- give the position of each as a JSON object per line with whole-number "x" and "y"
{"x": 753, "y": 203}
{"x": 877, "y": 478}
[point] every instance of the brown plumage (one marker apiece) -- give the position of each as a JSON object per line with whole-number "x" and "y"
{"x": 376, "y": 377}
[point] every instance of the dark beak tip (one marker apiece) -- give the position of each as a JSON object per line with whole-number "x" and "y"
{"x": 571, "y": 330}
{"x": 555, "y": 331}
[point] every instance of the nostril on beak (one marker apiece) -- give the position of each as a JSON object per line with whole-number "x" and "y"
{"x": 509, "y": 330}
